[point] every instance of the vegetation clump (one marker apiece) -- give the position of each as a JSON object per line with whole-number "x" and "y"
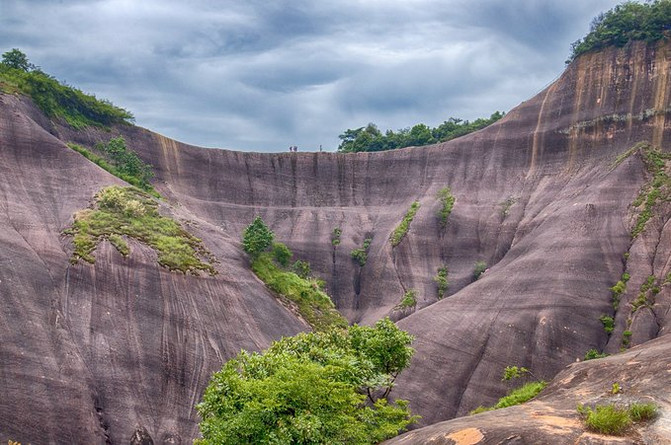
{"x": 608, "y": 323}
{"x": 55, "y": 99}
{"x": 402, "y": 229}
{"x": 649, "y": 288}
{"x": 335, "y": 237}
{"x": 315, "y": 388}
{"x": 517, "y": 396}
{"x": 615, "y": 420}
{"x": 409, "y": 300}
{"x": 360, "y": 254}
{"x": 370, "y": 138}
{"x": 119, "y": 160}
{"x": 594, "y": 354}
{"x": 446, "y": 199}
{"x": 270, "y": 262}
{"x": 629, "y": 21}
{"x": 479, "y": 268}
{"x": 441, "y": 281}
{"x": 657, "y": 190}
{"x": 129, "y": 212}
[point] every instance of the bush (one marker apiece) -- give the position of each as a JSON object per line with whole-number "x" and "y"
{"x": 402, "y": 229}
{"x": 360, "y": 255}
{"x": 282, "y": 254}
{"x": 335, "y": 237}
{"x": 594, "y": 354}
{"x": 302, "y": 268}
{"x": 514, "y": 397}
{"x": 441, "y": 281}
{"x": 257, "y": 237}
{"x": 479, "y": 268}
{"x": 409, "y": 299}
{"x": 608, "y": 323}
{"x": 311, "y": 389}
{"x": 446, "y": 199}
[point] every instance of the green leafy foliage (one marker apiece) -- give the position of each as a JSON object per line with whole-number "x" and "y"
{"x": 478, "y": 269}
{"x": 335, "y": 237}
{"x": 514, "y": 372}
{"x": 594, "y": 354}
{"x": 360, "y": 255}
{"x": 370, "y": 138}
{"x": 311, "y": 389}
{"x": 642, "y": 412}
{"x": 608, "y": 323}
{"x": 408, "y": 300}
{"x": 56, "y": 99}
{"x": 257, "y": 237}
{"x": 649, "y": 22}
{"x": 441, "y": 281}
{"x": 141, "y": 182}
{"x": 302, "y": 268}
{"x": 446, "y": 199}
{"x": 283, "y": 255}
{"x": 129, "y": 212}
{"x": 402, "y": 229}
{"x": 311, "y": 301}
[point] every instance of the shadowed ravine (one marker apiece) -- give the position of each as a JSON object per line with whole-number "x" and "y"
{"x": 93, "y": 353}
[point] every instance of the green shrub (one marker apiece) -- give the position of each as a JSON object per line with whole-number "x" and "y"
{"x": 402, "y": 229}
{"x": 478, "y": 269}
{"x": 606, "y": 419}
{"x": 506, "y": 205}
{"x": 408, "y": 300}
{"x": 302, "y": 268}
{"x": 446, "y": 199}
{"x": 335, "y": 236}
{"x": 608, "y": 323}
{"x": 360, "y": 255}
{"x": 129, "y": 212}
{"x": 282, "y": 254}
{"x": 515, "y": 397}
{"x": 257, "y": 237}
{"x": 311, "y": 389}
{"x": 441, "y": 281}
{"x": 593, "y": 354}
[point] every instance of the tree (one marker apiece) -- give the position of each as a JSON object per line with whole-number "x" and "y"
{"x": 309, "y": 389}
{"x": 17, "y": 60}
{"x": 257, "y": 237}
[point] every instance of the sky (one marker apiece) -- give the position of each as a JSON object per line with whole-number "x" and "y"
{"x": 261, "y": 75}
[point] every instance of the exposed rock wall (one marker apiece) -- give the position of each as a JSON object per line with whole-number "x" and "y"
{"x": 124, "y": 344}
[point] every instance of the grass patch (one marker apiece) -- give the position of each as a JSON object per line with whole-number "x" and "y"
{"x": 136, "y": 177}
{"x": 615, "y": 420}
{"x": 515, "y": 397}
{"x": 402, "y": 229}
{"x": 313, "y": 303}
{"x": 446, "y": 199}
{"x": 121, "y": 212}
{"x": 594, "y": 354}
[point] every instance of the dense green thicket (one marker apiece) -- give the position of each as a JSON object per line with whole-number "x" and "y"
{"x": 129, "y": 212}
{"x": 56, "y": 99}
{"x": 314, "y": 388}
{"x": 629, "y": 21}
{"x": 370, "y": 138}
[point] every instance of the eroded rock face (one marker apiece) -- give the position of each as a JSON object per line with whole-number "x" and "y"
{"x": 92, "y": 351}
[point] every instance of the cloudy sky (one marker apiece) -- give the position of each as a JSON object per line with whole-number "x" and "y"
{"x": 259, "y": 75}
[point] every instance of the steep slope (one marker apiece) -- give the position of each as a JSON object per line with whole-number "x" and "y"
{"x": 124, "y": 346}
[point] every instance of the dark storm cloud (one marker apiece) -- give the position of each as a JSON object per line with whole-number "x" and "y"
{"x": 261, "y": 75}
